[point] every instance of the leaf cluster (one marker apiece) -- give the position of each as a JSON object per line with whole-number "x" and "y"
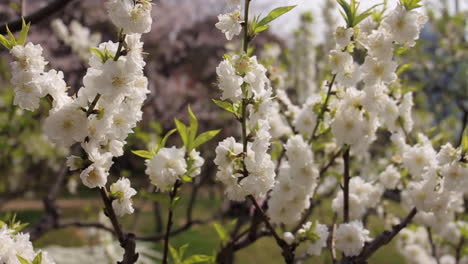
{"x": 11, "y": 41}
{"x": 350, "y": 12}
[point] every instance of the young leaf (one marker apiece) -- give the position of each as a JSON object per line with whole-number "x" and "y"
{"x": 174, "y": 201}
{"x": 199, "y": 259}
{"x": 364, "y": 14}
{"x": 183, "y": 131}
{"x": 38, "y": 259}
{"x": 464, "y": 143}
{"x": 162, "y": 144}
{"x": 24, "y": 32}
{"x": 5, "y": 42}
{"x": 222, "y": 233}
{"x": 226, "y": 106}
{"x": 186, "y": 178}
{"x": 274, "y": 14}
{"x": 259, "y": 29}
{"x": 205, "y": 137}
{"x": 175, "y": 255}
{"x": 11, "y": 36}
{"x": 182, "y": 250}
{"x": 98, "y": 52}
{"x": 193, "y": 124}
{"x": 193, "y": 129}
{"x": 22, "y": 260}
{"x": 143, "y": 153}
{"x": 403, "y": 68}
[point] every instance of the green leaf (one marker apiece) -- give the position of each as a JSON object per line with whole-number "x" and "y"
{"x": 364, "y": 14}
{"x": 24, "y": 32}
{"x": 19, "y": 226}
{"x": 464, "y": 231}
{"x": 274, "y": 14}
{"x": 226, "y": 106}
{"x": 198, "y": 259}
{"x": 193, "y": 129}
{"x": 22, "y": 260}
{"x": 259, "y": 29}
{"x": 143, "y": 153}
{"x": 175, "y": 201}
{"x": 403, "y": 68}
{"x": 5, "y": 42}
{"x": 222, "y": 233}
{"x": 464, "y": 143}
{"x": 182, "y": 250}
{"x": 183, "y": 131}
{"x": 98, "y": 53}
{"x": 205, "y": 137}
{"x": 186, "y": 178}
{"x": 11, "y": 36}
{"x": 163, "y": 142}
{"x": 38, "y": 259}
{"x": 410, "y": 4}
{"x": 175, "y": 255}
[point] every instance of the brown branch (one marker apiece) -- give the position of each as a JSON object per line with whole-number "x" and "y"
{"x": 35, "y": 17}
{"x": 433, "y": 245}
{"x": 382, "y": 239}
{"x": 127, "y": 240}
{"x": 288, "y": 251}
{"x": 346, "y": 186}
{"x": 172, "y": 196}
{"x": 323, "y": 109}
{"x": 158, "y": 237}
{"x": 464, "y": 123}
{"x": 77, "y": 223}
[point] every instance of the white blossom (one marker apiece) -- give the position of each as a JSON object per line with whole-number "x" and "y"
{"x": 230, "y": 24}
{"x": 350, "y": 238}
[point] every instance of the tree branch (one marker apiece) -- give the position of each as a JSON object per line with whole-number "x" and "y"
{"x": 127, "y": 240}
{"x": 173, "y": 195}
{"x": 346, "y": 186}
{"x": 383, "y": 239}
{"x": 35, "y": 17}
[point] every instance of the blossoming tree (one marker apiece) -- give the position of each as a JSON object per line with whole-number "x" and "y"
{"x": 281, "y": 163}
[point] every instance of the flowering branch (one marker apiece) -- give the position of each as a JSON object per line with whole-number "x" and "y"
{"x": 127, "y": 240}
{"x": 382, "y": 239}
{"x": 323, "y": 109}
{"x": 172, "y": 196}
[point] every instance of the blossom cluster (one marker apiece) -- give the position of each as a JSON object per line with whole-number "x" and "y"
{"x": 170, "y": 164}
{"x": 16, "y": 245}
{"x": 108, "y": 106}
{"x": 295, "y": 184}
{"x": 246, "y": 169}
{"x": 77, "y": 36}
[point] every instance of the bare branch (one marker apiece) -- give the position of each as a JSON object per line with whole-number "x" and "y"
{"x": 35, "y": 17}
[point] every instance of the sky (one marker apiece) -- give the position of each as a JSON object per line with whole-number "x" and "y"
{"x": 290, "y": 20}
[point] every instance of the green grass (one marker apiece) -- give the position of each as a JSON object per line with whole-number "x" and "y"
{"x": 202, "y": 239}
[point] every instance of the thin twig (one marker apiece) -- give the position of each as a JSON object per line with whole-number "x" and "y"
{"x": 127, "y": 240}
{"x": 346, "y": 178}
{"x": 323, "y": 109}
{"x": 383, "y": 239}
{"x": 433, "y": 245}
{"x": 35, "y": 17}
{"x": 172, "y": 196}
